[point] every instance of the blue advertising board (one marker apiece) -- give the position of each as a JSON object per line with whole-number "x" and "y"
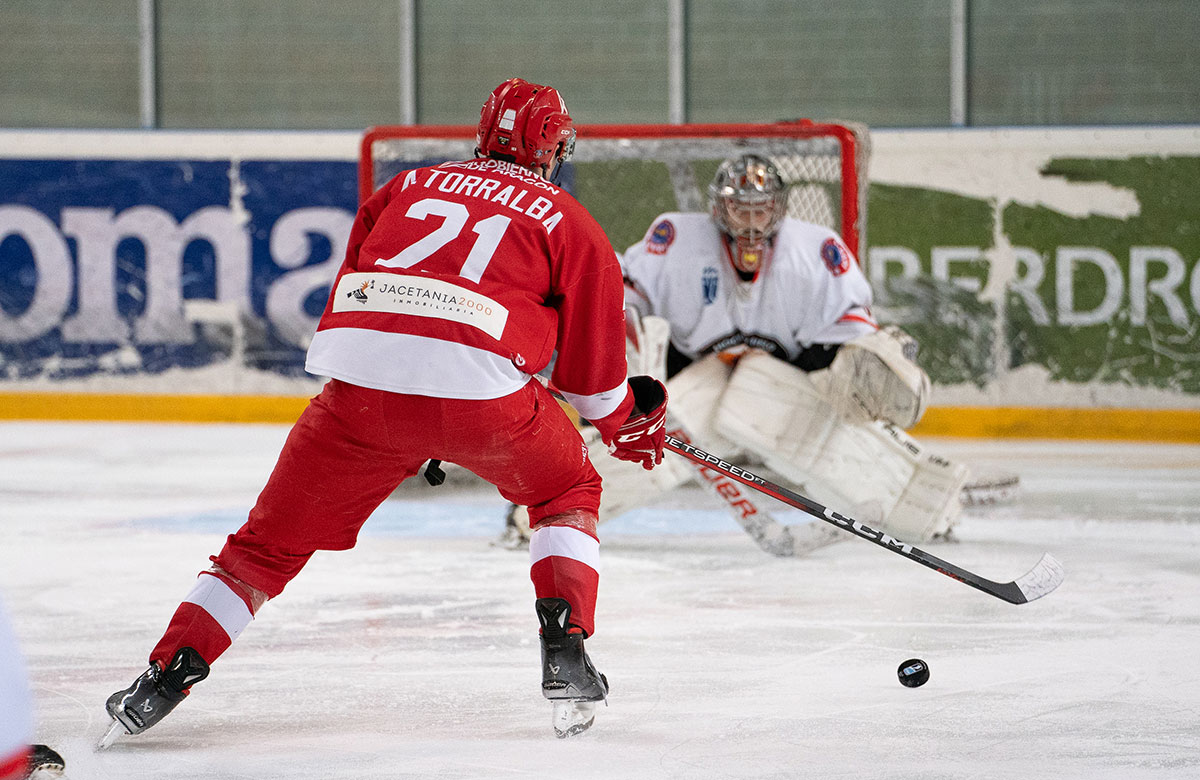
{"x": 101, "y": 261}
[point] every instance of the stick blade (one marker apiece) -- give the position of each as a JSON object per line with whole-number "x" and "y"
{"x": 1043, "y": 578}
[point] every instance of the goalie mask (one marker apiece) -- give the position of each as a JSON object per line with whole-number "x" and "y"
{"x": 748, "y": 199}
{"x": 526, "y": 124}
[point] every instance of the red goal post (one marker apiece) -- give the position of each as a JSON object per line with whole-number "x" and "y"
{"x": 628, "y": 174}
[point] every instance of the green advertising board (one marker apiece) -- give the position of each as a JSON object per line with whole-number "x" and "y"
{"x": 988, "y": 288}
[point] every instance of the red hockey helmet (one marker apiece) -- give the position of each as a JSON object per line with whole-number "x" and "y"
{"x": 527, "y": 124}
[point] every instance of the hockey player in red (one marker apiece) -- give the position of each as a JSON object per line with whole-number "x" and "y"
{"x": 461, "y": 281}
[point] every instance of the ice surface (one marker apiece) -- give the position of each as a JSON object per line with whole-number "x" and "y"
{"x": 415, "y": 655}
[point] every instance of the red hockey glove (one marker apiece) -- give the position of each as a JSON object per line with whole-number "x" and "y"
{"x": 640, "y": 438}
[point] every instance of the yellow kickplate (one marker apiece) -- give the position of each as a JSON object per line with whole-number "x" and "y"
{"x": 113, "y": 407}
{"x": 1019, "y": 422}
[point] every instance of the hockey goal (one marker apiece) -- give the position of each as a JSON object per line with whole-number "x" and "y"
{"x": 626, "y": 175}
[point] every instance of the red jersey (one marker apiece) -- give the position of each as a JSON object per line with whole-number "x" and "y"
{"x": 463, "y": 280}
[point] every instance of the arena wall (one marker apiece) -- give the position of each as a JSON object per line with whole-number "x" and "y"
{"x": 1052, "y": 276}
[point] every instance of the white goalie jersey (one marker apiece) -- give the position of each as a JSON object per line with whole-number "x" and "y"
{"x": 811, "y": 289}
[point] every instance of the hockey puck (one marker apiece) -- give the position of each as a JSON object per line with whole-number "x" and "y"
{"x": 913, "y": 673}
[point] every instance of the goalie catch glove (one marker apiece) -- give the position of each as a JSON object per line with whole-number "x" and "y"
{"x": 640, "y": 437}
{"x": 874, "y": 377}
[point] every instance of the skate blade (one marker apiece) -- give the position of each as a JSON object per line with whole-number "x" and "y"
{"x": 115, "y": 730}
{"x": 573, "y": 717}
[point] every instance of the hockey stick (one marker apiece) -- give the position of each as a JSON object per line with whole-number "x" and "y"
{"x": 1037, "y": 582}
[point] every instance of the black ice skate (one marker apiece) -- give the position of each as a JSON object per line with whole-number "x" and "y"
{"x": 569, "y": 679}
{"x": 153, "y": 695}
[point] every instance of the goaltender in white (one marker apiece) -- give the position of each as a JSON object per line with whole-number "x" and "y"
{"x": 761, "y": 326}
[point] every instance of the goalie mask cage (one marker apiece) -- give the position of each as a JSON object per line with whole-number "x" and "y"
{"x": 626, "y": 175}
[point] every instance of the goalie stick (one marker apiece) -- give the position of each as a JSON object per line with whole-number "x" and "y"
{"x": 756, "y": 520}
{"x": 1043, "y": 578}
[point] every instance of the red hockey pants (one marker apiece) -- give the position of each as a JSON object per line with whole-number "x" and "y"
{"x": 350, "y": 449}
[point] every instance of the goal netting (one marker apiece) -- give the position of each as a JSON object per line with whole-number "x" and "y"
{"x": 626, "y": 175}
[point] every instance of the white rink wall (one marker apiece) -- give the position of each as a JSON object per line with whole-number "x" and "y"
{"x": 275, "y": 208}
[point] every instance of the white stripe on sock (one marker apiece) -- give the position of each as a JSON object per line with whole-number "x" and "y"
{"x": 216, "y": 598}
{"x": 565, "y": 542}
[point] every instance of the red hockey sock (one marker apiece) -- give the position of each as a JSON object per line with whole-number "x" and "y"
{"x": 212, "y": 615}
{"x": 564, "y": 563}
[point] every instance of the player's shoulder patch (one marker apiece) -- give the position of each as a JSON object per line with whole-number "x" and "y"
{"x": 836, "y": 256}
{"x": 661, "y": 237}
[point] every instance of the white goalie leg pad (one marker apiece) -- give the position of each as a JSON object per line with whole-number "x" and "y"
{"x": 931, "y": 503}
{"x": 693, "y": 398}
{"x": 915, "y": 494}
{"x": 873, "y": 472}
{"x": 873, "y": 378}
{"x": 861, "y": 473}
{"x": 646, "y": 342}
{"x": 773, "y": 410}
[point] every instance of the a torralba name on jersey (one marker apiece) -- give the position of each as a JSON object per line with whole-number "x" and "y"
{"x": 517, "y": 198}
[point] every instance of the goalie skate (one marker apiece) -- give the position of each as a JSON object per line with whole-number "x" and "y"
{"x": 569, "y": 679}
